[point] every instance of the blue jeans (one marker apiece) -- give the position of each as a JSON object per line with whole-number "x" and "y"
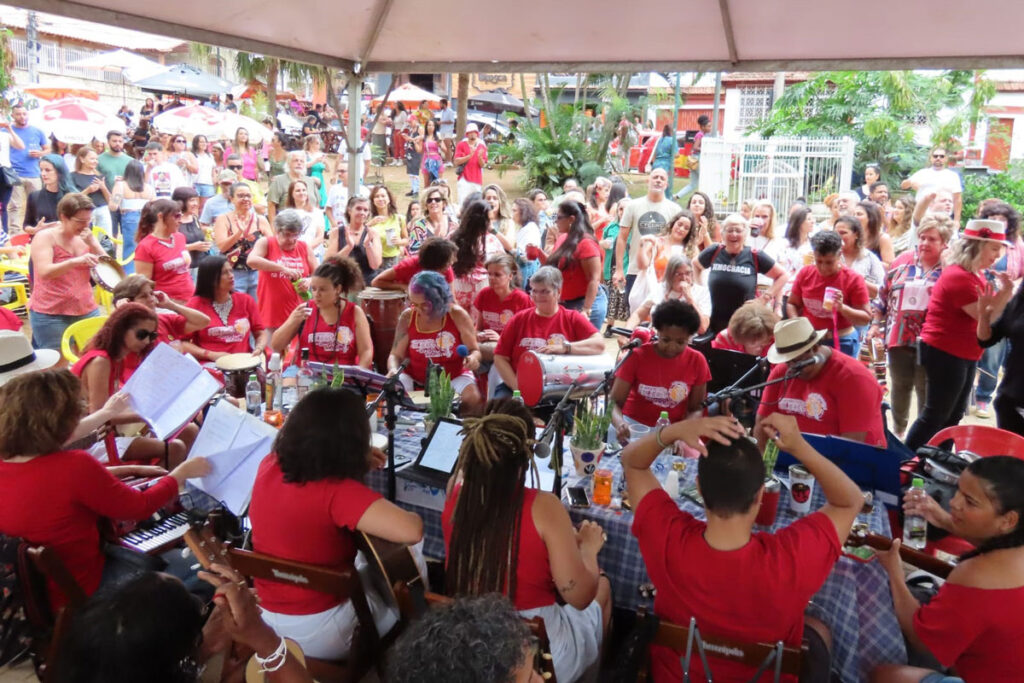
{"x": 598, "y": 311}
{"x": 691, "y": 187}
{"x": 48, "y": 330}
{"x": 245, "y": 281}
{"x": 850, "y": 344}
{"x": 988, "y": 371}
{"x": 129, "y": 226}
{"x": 937, "y": 677}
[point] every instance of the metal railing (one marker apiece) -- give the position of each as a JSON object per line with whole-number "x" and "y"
{"x": 54, "y": 59}
{"x": 778, "y": 169}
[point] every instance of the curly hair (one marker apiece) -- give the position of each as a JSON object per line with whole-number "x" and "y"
{"x": 342, "y": 271}
{"x": 436, "y": 253}
{"x": 326, "y": 435}
{"x": 110, "y": 338}
{"x": 466, "y": 641}
{"x": 434, "y": 289}
{"x": 469, "y": 237}
{"x": 709, "y": 209}
{"x": 40, "y": 411}
{"x": 691, "y": 234}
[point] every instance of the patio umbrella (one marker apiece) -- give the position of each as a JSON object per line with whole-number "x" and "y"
{"x": 257, "y": 131}
{"x": 411, "y": 96}
{"x": 192, "y": 120}
{"x": 184, "y": 79}
{"x": 497, "y": 101}
{"x": 58, "y": 93}
{"x": 75, "y": 121}
{"x": 127, "y": 64}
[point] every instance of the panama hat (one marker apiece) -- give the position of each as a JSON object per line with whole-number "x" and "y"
{"x": 793, "y": 338}
{"x": 986, "y": 230}
{"x": 17, "y": 356}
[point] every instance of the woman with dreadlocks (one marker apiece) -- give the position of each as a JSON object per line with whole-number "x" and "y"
{"x": 503, "y": 536}
{"x": 975, "y": 623}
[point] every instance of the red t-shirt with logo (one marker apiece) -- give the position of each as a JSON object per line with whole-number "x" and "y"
{"x": 528, "y": 331}
{"x": 407, "y": 267}
{"x": 757, "y": 593}
{"x": 809, "y": 291}
{"x": 439, "y": 347}
{"x": 274, "y": 291}
{"x": 946, "y": 326}
{"x": 329, "y": 343}
{"x": 658, "y": 383}
{"x": 844, "y": 397}
{"x": 233, "y": 336}
{"x": 170, "y": 268}
{"x": 495, "y": 313}
{"x": 574, "y": 280}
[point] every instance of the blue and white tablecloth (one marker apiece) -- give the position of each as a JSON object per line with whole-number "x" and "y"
{"x": 854, "y": 601}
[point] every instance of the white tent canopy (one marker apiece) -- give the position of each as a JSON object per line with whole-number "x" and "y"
{"x": 538, "y": 35}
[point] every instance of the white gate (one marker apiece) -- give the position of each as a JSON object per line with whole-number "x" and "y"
{"x": 778, "y": 169}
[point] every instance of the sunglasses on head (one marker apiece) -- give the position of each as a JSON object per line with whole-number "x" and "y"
{"x": 143, "y": 335}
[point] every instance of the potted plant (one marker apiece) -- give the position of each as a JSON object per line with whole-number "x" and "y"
{"x": 588, "y": 436}
{"x": 439, "y": 386}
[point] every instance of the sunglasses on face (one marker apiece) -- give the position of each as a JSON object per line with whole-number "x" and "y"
{"x": 144, "y": 335}
{"x": 938, "y": 156}
{"x": 181, "y": 140}
{"x": 234, "y": 168}
{"x": 435, "y": 200}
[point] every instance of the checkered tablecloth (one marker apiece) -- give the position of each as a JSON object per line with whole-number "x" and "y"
{"x": 854, "y": 601}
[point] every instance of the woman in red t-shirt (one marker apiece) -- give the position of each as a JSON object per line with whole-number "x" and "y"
{"x": 579, "y": 256}
{"x": 234, "y": 316}
{"x": 498, "y": 302}
{"x": 434, "y": 330}
{"x": 974, "y": 623}
{"x": 162, "y": 255}
{"x": 55, "y": 497}
{"x": 948, "y": 347}
{"x": 664, "y": 375}
{"x": 131, "y": 329}
{"x": 504, "y": 537}
{"x": 331, "y": 327}
{"x": 285, "y": 263}
{"x": 308, "y": 502}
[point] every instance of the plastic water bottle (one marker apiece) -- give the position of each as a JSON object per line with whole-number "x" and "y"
{"x": 304, "y": 379}
{"x": 915, "y": 527}
{"x": 517, "y": 397}
{"x": 275, "y": 393}
{"x": 253, "y": 396}
{"x": 671, "y": 484}
{"x": 663, "y": 421}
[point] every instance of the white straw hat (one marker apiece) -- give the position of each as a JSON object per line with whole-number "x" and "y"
{"x": 17, "y": 356}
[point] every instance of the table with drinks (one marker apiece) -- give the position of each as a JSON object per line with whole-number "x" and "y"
{"x": 854, "y": 601}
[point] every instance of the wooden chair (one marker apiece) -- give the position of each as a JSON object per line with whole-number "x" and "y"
{"x": 765, "y": 657}
{"x": 409, "y": 612}
{"x": 77, "y": 335}
{"x": 345, "y": 585}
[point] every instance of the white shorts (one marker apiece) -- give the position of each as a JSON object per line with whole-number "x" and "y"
{"x": 459, "y": 382}
{"x": 446, "y": 136}
{"x": 99, "y": 449}
{"x": 575, "y": 636}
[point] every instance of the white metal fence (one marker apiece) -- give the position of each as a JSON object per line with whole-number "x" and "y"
{"x": 54, "y": 59}
{"x": 778, "y": 169}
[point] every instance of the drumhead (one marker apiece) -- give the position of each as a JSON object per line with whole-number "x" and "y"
{"x": 238, "y": 361}
{"x": 108, "y": 273}
{"x": 376, "y": 293}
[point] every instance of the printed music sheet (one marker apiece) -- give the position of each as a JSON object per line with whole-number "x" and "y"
{"x": 168, "y": 389}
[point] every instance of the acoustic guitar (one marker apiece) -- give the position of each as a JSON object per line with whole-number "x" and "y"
{"x": 392, "y": 563}
{"x": 860, "y": 536}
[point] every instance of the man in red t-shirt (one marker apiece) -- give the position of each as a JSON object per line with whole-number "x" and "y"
{"x": 835, "y": 395}
{"x": 833, "y": 297}
{"x": 436, "y": 253}
{"x": 471, "y": 154}
{"x": 737, "y": 584}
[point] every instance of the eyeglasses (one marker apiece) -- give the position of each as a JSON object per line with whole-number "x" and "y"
{"x": 435, "y": 200}
{"x": 235, "y": 168}
{"x": 181, "y": 140}
{"x": 541, "y": 292}
{"x": 81, "y": 221}
{"x": 144, "y": 335}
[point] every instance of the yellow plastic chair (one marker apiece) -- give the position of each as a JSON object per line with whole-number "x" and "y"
{"x": 77, "y": 335}
{"x": 20, "y": 287}
{"x": 103, "y": 298}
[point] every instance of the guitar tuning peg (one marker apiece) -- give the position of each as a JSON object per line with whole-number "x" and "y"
{"x": 186, "y": 552}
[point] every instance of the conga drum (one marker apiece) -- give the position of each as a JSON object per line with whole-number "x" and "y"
{"x": 383, "y": 307}
{"x": 236, "y": 368}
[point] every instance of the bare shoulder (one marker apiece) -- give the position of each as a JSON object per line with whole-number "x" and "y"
{"x": 995, "y": 570}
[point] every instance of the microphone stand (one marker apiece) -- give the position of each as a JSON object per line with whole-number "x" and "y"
{"x": 391, "y": 393}
{"x": 737, "y": 392}
{"x": 605, "y": 386}
{"x": 559, "y": 418}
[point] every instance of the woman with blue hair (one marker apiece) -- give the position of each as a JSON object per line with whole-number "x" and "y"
{"x": 41, "y": 207}
{"x": 435, "y": 330}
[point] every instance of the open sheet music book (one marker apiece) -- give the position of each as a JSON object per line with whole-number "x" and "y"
{"x": 234, "y": 442}
{"x": 168, "y": 389}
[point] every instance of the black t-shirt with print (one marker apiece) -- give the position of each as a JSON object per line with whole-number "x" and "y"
{"x": 732, "y": 280}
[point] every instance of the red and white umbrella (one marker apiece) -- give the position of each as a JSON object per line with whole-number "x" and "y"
{"x": 191, "y": 120}
{"x": 75, "y": 121}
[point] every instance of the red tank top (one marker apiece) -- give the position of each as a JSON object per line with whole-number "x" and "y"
{"x": 275, "y": 293}
{"x": 438, "y": 346}
{"x": 329, "y": 343}
{"x": 535, "y": 587}
{"x": 78, "y": 369}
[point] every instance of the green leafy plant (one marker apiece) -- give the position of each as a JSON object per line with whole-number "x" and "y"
{"x": 591, "y": 428}
{"x": 337, "y": 376}
{"x": 439, "y": 384}
{"x": 1008, "y": 186}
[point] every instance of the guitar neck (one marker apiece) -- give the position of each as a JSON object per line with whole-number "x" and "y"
{"x": 929, "y": 563}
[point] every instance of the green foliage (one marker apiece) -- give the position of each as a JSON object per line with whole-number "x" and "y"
{"x": 1007, "y": 186}
{"x": 879, "y": 111}
{"x": 255, "y": 107}
{"x": 591, "y": 425}
{"x": 439, "y": 384}
{"x": 7, "y": 62}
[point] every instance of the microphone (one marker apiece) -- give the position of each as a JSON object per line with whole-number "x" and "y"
{"x": 637, "y": 341}
{"x": 389, "y": 385}
{"x": 462, "y": 350}
{"x": 800, "y": 365}
{"x": 620, "y": 331}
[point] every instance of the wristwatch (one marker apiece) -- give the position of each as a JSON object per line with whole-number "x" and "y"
{"x": 567, "y": 347}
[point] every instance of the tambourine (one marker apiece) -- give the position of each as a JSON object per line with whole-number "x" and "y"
{"x": 107, "y": 273}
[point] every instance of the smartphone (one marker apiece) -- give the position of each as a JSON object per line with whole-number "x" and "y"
{"x": 578, "y": 497}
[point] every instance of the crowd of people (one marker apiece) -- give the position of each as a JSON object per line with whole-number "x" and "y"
{"x": 265, "y": 250}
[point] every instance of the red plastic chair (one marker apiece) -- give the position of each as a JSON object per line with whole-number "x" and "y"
{"x": 982, "y": 440}
{"x": 20, "y": 240}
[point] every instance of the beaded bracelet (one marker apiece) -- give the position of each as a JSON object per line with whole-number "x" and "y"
{"x": 657, "y": 435}
{"x": 279, "y": 656}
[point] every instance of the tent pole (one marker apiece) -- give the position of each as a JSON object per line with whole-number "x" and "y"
{"x": 715, "y": 110}
{"x": 355, "y": 169}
